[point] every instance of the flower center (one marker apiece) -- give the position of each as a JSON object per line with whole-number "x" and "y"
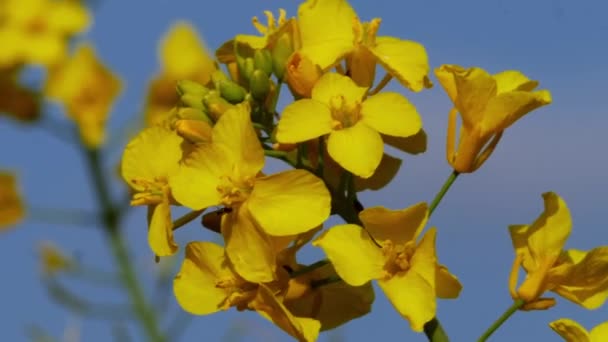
{"x": 239, "y": 293}
{"x": 234, "y": 191}
{"x": 345, "y": 114}
{"x": 150, "y": 191}
{"x": 397, "y": 256}
{"x": 272, "y": 26}
{"x": 365, "y": 33}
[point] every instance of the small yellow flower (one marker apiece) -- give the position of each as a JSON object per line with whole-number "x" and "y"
{"x": 147, "y": 163}
{"x": 53, "y": 260}
{"x": 573, "y": 274}
{"x": 87, "y": 89}
{"x": 37, "y": 31}
{"x": 206, "y": 284}
{"x": 16, "y": 101}
{"x": 338, "y": 107}
{"x": 11, "y": 205}
{"x": 227, "y": 172}
{"x": 331, "y": 31}
{"x": 488, "y": 104}
{"x": 571, "y": 331}
{"x": 406, "y": 271}
{"x": 270, "y": 32}
{"x": 183, "y": 56}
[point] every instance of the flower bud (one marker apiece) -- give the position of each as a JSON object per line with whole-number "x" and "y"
{"x": 231, "y": 91}
{"x": 191, "y": 87}
{"x": 263, "y": 61}
{"x": 216, "y": 105}
{"x": 194, "y": 131}
{"x": 192, "y": 101}
{"x": 259, "y": 85}
{"x": 246, "y": 66}
{"x": 188, "y": 113}
{"x": 302, "y": 74}
{"x": 280, "y": 54}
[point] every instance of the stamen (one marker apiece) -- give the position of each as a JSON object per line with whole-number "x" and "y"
{"x": 258, "y": 26}
{"x": 270, "y": 20}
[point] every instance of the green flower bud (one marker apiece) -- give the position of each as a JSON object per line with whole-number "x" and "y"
{"x": 259, "y": 85}
{"x": 263, "y": 61}
{"x": 232, "y": 91}
{"x": 218, "y": 76}
{"x": 280, "y": 55}
{"x": 191, "y": 87}
{"x": 215, "y": 104}
{"x": 192, "y": 101}
{"x": 246, "y": 66}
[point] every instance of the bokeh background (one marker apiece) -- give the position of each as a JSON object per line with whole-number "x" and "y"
{"x": 561, "y": 147}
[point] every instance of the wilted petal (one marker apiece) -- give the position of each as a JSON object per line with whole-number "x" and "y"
{"x": 290, "y": 202}
{"x": 354, "y": 255}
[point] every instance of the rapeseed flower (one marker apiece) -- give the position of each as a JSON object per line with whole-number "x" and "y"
{"x": 353, "y": 122}
{"x": 571, "y": 331}
{"x": 387, "y": 251}
{"x": 578, "y": 276}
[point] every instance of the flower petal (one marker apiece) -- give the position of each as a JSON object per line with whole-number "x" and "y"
{"x": 405, "y": 60}
{"x": 570, "y": 330}
{"x": 447, "y": 285}
{"x": 303, "y": 120}
{"x": 290, "y": 202}
{"x": 195, "y": 285}
{"x": 384, "y": 174}
{"x": 392, "y": 114}
{"x": 511, "y": 80}
{"x": 154, "y": 153}
{"x": 358, "y": 149}
{"x": 249, "y": 249}
{"x": 332, "y": 85}
{"x": 353, "y": 254}
{"x": 503, "y": 110}
{"x": 548, "y": 234}
{"x": 195, "y": 182}
{"x": 398, "y": 226}
{"x": 326, "y": 30}
{"x": 599, "y": 333}
{"x": 160, "y": 233}
{"x": 415, "y": 144}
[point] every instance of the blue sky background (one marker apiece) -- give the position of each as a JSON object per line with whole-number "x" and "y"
{"x": 560, "y": 147}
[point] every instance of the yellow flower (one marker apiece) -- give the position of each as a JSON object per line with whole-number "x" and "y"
{"x": 87, "y": 90}
{"x": 147, "y": 163}
{"x": 11, "y": 205}
{"x": 270, "y": 32}
{"x": 227, "y": 172}
{"x": 571, "y": 331}
{"x": 206, "y": 284}
{"x": 53, "y": 260}
{"x": 338, "y": 107}
{"x": 16, "y": 101}
{"x": 573, "y": 274}
{"x": 183, "y": 56}
{"x": 37, "y": 31}
{"x": 406, "y": 271}
{"x": 331, "y": 31}
{"x": 488, "y": 104}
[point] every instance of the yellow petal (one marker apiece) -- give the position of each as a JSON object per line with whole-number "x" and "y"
{"x": 548, "y": 234}
{"x": 290, "y": 202}
{"x": 447, "y": 285}
{"x": 184, "y": 55}
{"x": 195, "y": 183}
{"x": 406, "y": 60}
{"x": 154, "y": 153}
{"x": 386, "y": 171}
{"x": 195, "y": 285}
{"x": 398, "y": 226}
{"x": 235, "y": 131}
{"x": 570, "y": 330}
{"x": 332, "y": 85}
{"x": 392, "y": 114}
{"x": 354, "y": 255}
{"x": 424, "y": 260}
{"x": 254, "y": 42}
{"x": 358, "y": 149}
{"x": 248, "y": 248}
{"x": 68, "y": 17}
{"x": 11, "y": 205}
{"x": 326, "y": 29}
{"x": 519, "y": 238}
{"x": 304, "y": 120}
{"x": 415, "y": 144}
{"x": 266, "y": 304}
{"x": 599, "y": 333}
{"x": 511, "y": 80}
{"x": 160, "y": 233}
{"x": 412, "y": 296}
{"x": 503, "y": 110}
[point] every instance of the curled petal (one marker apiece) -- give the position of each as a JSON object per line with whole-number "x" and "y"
{"x": 406, "y": 60}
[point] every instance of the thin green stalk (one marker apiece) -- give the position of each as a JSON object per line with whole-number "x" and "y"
{"x": 446, "y": 186}
{"x": 309, "y": 268}
{"x": 434, "y": 331}
{"x": 128, "y": 276}
{"x": 187, "y": 218}
{"x": 503, "y": 318}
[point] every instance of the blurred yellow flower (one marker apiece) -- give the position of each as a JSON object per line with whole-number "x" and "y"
{"x": 576, "y": 275}
{"x": 148, "y": 162}
{"x": 406, "y": 271}
{"x": 339, "y": 107}
{"x": 331, "y": 31}
{"x": 17, "y": 101}
{"x": 488, "y": 104}
{"x": 12, "y": 210}
{"x": 206, "y": 283}
{"x": 571, "y": 331}
{"x": 52, "y": 259}
{"x": 87, "y": 90}
{"x": 228, "y": 172}
{"x": 183, "y": 56}
{"x": 37, "y": 31}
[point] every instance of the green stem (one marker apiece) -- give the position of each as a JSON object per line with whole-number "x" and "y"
{"x": 434, "y": 331}
{"x": 309, "y": 268}
{"x": 187, "y": 218}
{"x": 110, "y": 219}
{"x": 446, "y": 186}
{"x": 275, "y": 154}
{"x": 503, "y": 318}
